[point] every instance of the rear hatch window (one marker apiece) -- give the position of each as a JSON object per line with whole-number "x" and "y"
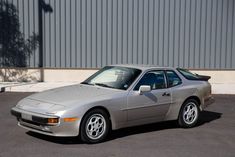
{"x": 192, "y": 76}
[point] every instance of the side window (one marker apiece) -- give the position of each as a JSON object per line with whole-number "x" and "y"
{"x": 155, "y": 79}
{"x": 173, "y": 78}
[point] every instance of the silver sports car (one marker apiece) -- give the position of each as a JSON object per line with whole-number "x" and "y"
{"x": 115, "y": 97}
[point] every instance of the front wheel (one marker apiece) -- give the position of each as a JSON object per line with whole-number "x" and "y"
{"x": 189, "y": 114}
{"x": 95, "y": 126}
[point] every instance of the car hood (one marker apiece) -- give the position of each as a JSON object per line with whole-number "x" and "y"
{"x": 78, "y": 93}
{"x": 59, "y": 98}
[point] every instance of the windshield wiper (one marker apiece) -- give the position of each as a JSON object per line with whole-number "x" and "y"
{"x": 103, "y": 85}
{"x": 97, "y": 84}
{"x": 87, "y": 83}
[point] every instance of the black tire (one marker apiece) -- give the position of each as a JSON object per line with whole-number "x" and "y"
{"x": 88, "y": 124}
{"x": 183, "y": 119}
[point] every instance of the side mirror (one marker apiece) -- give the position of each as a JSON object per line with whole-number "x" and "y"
{"x": 144, "y": 88}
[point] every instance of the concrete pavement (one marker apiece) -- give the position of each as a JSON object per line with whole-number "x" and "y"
{"x": 217, "y": 88}
{"x": 213, "y": 137}
{"x": 34, "y": 87}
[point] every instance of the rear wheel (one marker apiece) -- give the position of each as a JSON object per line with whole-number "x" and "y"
{"x": 189, "y": 114}
{"x": 95, "y": 126}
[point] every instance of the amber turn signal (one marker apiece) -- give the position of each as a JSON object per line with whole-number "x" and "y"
{"x": 72, "y": 119}
{"x": 52, "y": 120}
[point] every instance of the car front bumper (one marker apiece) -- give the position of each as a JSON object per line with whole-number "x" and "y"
{"x": 36, "y": 122}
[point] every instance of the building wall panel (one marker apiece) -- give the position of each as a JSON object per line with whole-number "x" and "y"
{"x": 196, "y": 34}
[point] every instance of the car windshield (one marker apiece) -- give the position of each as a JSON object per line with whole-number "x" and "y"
{"x": 187, "y": 74}
{"x": 114, "y": 77}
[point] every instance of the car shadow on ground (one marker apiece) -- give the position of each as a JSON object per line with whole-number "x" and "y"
{"x": 206, "y": 117}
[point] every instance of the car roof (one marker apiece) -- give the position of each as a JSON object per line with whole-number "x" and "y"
{"x": 144, "y": 66}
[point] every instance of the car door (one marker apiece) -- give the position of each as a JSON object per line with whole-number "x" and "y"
{"x": 153, "y": 104}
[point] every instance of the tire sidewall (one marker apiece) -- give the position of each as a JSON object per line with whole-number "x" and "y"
{"x": 83, "y": 134}
{"x": 181, "y": 121}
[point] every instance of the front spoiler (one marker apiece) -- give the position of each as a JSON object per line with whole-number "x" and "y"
{"x": 61, "y": 129}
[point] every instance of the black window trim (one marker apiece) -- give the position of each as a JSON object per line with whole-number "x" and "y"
{"x": 165, "y": 78}
{"x": 168, "y": 86}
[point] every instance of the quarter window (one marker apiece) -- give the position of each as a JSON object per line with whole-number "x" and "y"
{"x": 154, "y": 79}
{"x": 173, "y": 78}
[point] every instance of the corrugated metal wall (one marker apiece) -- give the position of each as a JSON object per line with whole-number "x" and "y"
{"x": 93, "y": 33}
{"x": 28, "y": 17}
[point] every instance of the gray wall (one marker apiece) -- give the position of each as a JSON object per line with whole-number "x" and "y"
{"x": 197, "y": 34}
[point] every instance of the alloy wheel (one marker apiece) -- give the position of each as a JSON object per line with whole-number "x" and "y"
{"x": 190, "y": 113}
{"x": 95, "y": 126}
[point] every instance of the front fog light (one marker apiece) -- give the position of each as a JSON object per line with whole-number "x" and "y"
{"x": 53, "y": 120}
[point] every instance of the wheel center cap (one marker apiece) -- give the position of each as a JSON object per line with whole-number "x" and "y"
{"x": 190, "y": 112}
{"x": 96, "y": 126}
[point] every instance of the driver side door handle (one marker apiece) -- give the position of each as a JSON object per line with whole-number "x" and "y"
{"x": 166, "y": 94}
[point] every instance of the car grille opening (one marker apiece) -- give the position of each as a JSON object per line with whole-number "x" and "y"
{"x": 30, "y": 122}
{"x": 36, "y": 120}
